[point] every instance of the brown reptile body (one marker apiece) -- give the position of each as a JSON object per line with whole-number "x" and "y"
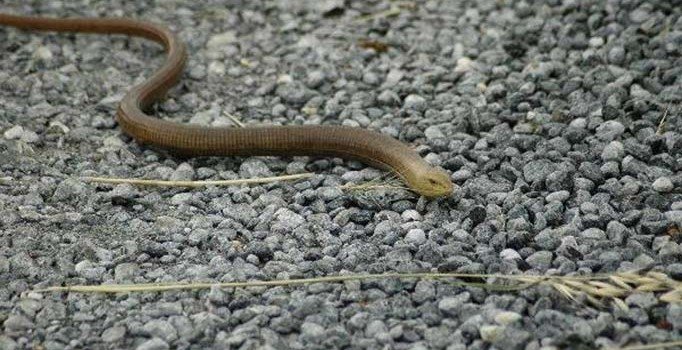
{"x": 367, "y": 146}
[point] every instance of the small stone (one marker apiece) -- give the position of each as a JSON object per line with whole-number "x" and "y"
{"x": 43, "y": 53}
{"x": 89, "y": 270}
{"x": 616, "y": 55}
{"x": 415, "y": 102}
{"x": 218, "y": 41}
{"x": 477, "y": 214}
{"x": 674, "y": 315}
{"x": 393, "y": 77}
{"x": 181, "y": 198}
{"x": 19, "y": 133}
{"x": 462, "y": 175}
{"x": 663, "y": 185}
{"x": 610, "y": 130}
{"x": 643, "y": 261}
{"x": 672, "y": 215}
{"x": 593, "y": 233}
{"x": 510, "y": 255}
{"x": 596, "y": 41}
{"x": 578, "y": 123}
{"x": 538, "y": 170}
{"x": 415, "y": 236}
{"x": 153, "y": 344}
{"x": 161, "y": 329}
{"x": 558, "y": 196}
{"x": 216, "y": 68}
{"x": 315, "y": 78}
{"x": 507, "y": 317}
{"x": 287, "y": 220}
{"x": 411, "y": 215}
{"x": 125, "y": 192}
{"x": 254, "y": 167}
{"x": 126, "y": 272}
{"x": 639, "y": 15}
{"x": 113, "y": 334}
{"x": 4, "y": 265}
{"x": 18, "y": 323}
{"x": 540, "y": 260}
{"x": 388, "y": 98}
{"x": 370, "y": 78}
{"x": 7, "y": 343}
{"x": 491, "y": 333}
{"x": 433, "y": 132}
{"x": 311, "y": 332}
{"x": 464, "y": 65}
{"x": 241, "y": 212}
{"x": 198, "y": 236}
{"x": 184, "y": 172}
{"x": 375, "y": 328}
{"x": 293, "y": 93}
{"x": 642, "y": 300}
{"x": 452, "y": 305}
{"x": 613, "y": 151}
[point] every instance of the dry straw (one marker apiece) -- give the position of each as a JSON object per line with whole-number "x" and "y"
{"x": 145, "y": 182}
{"x": 595, "y": 289}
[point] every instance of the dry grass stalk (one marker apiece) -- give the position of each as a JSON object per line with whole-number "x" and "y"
{"x": 665, "y": 345}
{"x": 145, "y": 182}
{"x": 662, "y": 124}
{"x": 595, "y": 289}
{"x": 391, "y": 183}
{"x": 234, "y": 119}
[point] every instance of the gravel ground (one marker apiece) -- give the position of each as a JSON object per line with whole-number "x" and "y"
{"x": 559, "y": 122}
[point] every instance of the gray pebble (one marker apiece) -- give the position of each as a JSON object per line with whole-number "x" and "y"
{"x": 461, "y": 175}
{"x": 642, "y": 300}
{"x": 663, "y": 184}
{"x": 507, "y": 317}
{"x": 616, "y": 55}
{"x": 558, "y": 196}
{"x": 538, "y": 170}
{"x": 287, "y": 220}
{"x": 184, "y": 172}
{"x": 7, "y": 343}
{"x": 415, "y": 236}
{"x": 540, "y": 261}
{"x": 18, "y": 323}
{"x": 452, "y": 305}
{"x": 161, "y": 329}
{"x": 492, "y": 333}
{"x": 593, "y": 234}
{"x": 375, "y": 328}
{"x": 610, "y": 130}
{"x": 126, "y": 272}
{"x": 315, "y": 79}
{"x": 415, "y": 102}
{"x": 254, "y": 168}
{"x": 613, "y": 151}
{"x": 388, "y": 98}
{"x": 311, "y": 332}
{"x": 153, "y": 344}
{"x": 433, "y": 132}
{"x": 89, "y": 270}
{"x": 510, "y": 254}
{"x": 674, "y": 315}
{"x": 113, "y": 334}
{"x": 674, "y": 216}
{"x": 19, "y": 133}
